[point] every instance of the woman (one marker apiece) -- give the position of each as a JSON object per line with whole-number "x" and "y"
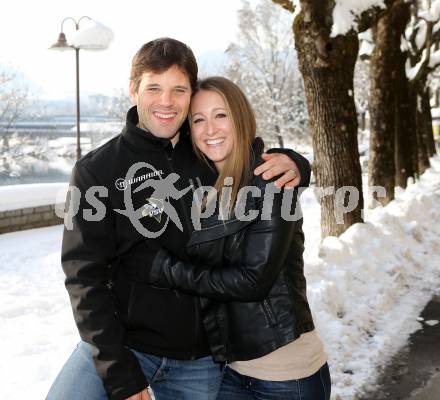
{"x": 247, "y": 262}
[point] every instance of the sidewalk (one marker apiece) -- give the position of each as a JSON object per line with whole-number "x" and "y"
{"x": 414, "y": 373}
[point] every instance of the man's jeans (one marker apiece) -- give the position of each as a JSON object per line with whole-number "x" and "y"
{"x": 169, "y": 379}
{"x": 239, "y": 387}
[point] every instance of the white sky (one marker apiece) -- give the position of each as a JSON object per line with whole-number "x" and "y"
{"x": 28, "y": 28}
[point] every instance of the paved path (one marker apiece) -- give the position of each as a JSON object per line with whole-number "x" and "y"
{"x": 414, "y": 373}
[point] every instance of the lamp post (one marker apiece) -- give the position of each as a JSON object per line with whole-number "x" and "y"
{"x": 93, "y": 36}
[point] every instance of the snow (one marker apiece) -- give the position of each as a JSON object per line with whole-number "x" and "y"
{"x": 92, "y": 35}
{"x": 297, "y": 10}
{"x": 14, "y": 197}
{"x": 422, "y": 31}
{"x": 347, "y": 12}
{"x": 436, "y": 27}
{"x": 367, "y": 287}
{"x": 367, "y": 44}
{"x": 366, "y": 49}
{"x": 366, "y": 290}
{"x": 435, "y": 112}
{"x": 434, "y": 59}
{"x": 411, "y": 72}
{"x": 433, "y": 14}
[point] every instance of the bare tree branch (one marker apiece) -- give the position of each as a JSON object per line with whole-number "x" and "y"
{"x": 286, "y": 4}
{"x": 262, "y": 63}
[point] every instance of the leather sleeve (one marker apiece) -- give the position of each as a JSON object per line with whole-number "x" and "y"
{"x": 264, "y": 249}
{"x": 87, "y": 252}
{"x": 301, "y": 162}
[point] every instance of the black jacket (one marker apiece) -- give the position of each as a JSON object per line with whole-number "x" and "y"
{"x": 253, "y": 273}
{"x": 105, "y": 259}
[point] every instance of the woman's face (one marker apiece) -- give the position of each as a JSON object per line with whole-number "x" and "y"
{"x": 211, "y": 126}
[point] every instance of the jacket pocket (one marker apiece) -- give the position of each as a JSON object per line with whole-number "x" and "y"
{"x": 144, "y": 304}
{"x": 268, "y": 312}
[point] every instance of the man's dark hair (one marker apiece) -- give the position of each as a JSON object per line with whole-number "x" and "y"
{"x": 159, "y": 55}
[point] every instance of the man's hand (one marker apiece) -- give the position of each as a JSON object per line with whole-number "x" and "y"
{"x": 144, "y": 395}
{"x": 276, "y": 164}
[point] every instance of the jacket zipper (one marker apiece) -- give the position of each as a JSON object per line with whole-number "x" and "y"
{"x": 188, "y": 227}
{"x": 272, "y": 320}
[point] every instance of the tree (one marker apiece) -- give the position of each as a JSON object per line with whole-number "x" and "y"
{"x": 362, "y": 91}
{"x": 384, "y": 115}
{"x": 405, "y": 128}
{"x": 13, "y": 100}
{"x": 401, "y": 139}
{"x": 263, "y": 64}
{"x": 327, "y": 57}
{"x": 116, "y": 106}
{"x": 422, "y": 41}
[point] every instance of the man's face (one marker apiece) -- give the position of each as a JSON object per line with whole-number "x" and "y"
{"x": 162, "y": 102}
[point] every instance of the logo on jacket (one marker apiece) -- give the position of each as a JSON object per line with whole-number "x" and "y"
{"x": 164, "y": 189}
{"x": 153, "y": 209}
{"x": 122, "y": 184}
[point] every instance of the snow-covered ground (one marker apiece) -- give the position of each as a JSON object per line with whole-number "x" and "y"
{"x": 366, "y": 290}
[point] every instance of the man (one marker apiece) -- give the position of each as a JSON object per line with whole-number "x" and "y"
{"x": 135, "y": 335}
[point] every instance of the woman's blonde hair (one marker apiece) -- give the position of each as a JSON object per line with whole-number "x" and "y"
{"x": 238, "y": 164}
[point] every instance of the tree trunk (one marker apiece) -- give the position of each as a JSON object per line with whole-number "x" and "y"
{"x": 405, "y": 131}
{"x": 423, "y": 130}
{"x": 405, "y": 124}
{"x": 381, "y": 168}
{"x": 327, "y": 66}
{"x": 415, "y": 136}
{"x": 363, "y": 121}
{"x": 426, "y": 107}
{"x": 279, "y": 136}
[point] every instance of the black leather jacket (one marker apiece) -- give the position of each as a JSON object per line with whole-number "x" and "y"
{"x": 249, "y": 275}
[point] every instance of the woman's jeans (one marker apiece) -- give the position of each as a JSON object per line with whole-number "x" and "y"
{"x": 169, "y": 379}
{"x": 239, "y": 387}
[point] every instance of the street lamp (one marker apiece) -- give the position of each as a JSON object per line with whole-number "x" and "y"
{"x": 92, "y": 36}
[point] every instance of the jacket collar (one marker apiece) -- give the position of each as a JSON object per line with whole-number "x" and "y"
{"x": 145, "y": 140}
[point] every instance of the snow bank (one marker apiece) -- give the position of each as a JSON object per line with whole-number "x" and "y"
{"x": 32, "y": 195}
{"x": 367, "y": 287}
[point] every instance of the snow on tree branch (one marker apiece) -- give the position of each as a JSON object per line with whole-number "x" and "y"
{"x": 412, "y": 72}
{"x": 366, "y": 44}
{"x": 347, "y": 14}
{"x": 434, "y": 60}
{"x": 422, "y": 38}
{"x": 433, "y": 14}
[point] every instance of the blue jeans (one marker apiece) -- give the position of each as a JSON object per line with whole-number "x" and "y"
{"x": 169, "y": 379}
{"x": 239, "y": 387}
